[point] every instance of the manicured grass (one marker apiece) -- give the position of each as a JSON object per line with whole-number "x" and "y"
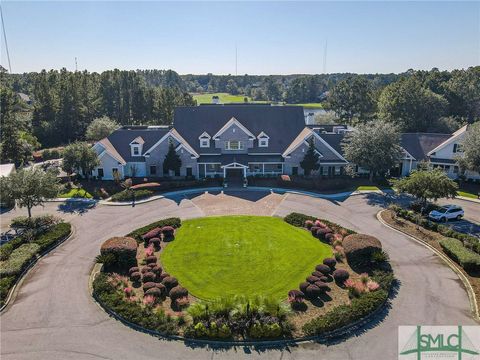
{"x": 242, "y": 255}
{"x": 76, "y": 193}
{"x": 367, "y": 187}
{"x": 223, "y": 97}
{"x": 467, "y": 194}
{"x": 310, "y": 105}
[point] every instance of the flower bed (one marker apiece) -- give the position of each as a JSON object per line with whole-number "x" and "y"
{"x": 333, "y": 296}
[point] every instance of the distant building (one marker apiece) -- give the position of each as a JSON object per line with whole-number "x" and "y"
{"x": 25, "y": 98}
{"x": 6, "y": 169}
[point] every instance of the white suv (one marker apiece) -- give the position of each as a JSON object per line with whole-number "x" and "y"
{"x": 446, "y": 213}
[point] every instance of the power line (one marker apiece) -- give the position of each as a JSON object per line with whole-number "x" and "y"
{"x": 5, "y": 38}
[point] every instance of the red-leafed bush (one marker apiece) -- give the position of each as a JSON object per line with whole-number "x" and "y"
{"x": 308, "y": 224}
{"x": 312, "y": 279}
{"x": 359, "y": 248}
{"x": 151, "y": 265}
{"x": 157, "y": 270}
{"x": 149, "y": 276}
{"x": 322, "y": 233}
{"x": 330, "y": 262}
{"x": 154, "y": 233}
{"x": 340, "y": 275}
{"x": 329, "y": 238}
{"x": 312, "y": 291}
{"x": 314, "y": 230}
{"x": 324, "y": 278}
{"x": 146, "y": 269}
{"x": 295, "y": 296}
{"x": 136, "y": 276}
{"x": 163, "y": 276}
{"x": 303, "y": 286}
{"x": 322, "y": 286}
{"x": 154, "y": 291}
{"x": 177, "y": 292}
{"x": 149, "y": 285}
{"x": 133, "y": 269}
{"x": 168, "y": 232}
{"x": 324, "y": 269}
{"x": 318, "y": 274}
{"x": 151, "y": 259}
{"x": 123, "y": 249}
{"x": 161, "y": 287}
{"x": 320, "y": 224}
{"x": 155, "y": 242}
{"x": 170, "y": 282}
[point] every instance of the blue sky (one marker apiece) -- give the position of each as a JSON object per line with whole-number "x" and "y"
{"x": 271, "y": 37}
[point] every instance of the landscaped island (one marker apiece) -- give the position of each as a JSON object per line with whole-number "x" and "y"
{"x": 243, "y": 277}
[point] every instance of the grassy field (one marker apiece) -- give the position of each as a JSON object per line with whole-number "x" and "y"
{"x": 226, "y": 98}
{"x": 467, "y": 194}
{"x": 242, "y": 255}
{"x": 76, "y": 193}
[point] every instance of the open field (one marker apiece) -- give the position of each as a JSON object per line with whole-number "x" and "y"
{"x": 242, "y": 255}
{"x": 225, "y": 98}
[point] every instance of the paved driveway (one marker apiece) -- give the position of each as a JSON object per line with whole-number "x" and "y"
{"x": 54, "y": 316}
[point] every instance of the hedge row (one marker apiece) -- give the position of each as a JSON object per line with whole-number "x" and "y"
{"x": 343, "y": 315}
{"x": 298, "y": 220}
{"x": 133, "y": 312}
{"x": 128, "y": 195}
{"x": 137, "y": 234}
{"x": 468, "y": 240}
{"x": 17, "y": 255}
{"x": 455, "y": 249}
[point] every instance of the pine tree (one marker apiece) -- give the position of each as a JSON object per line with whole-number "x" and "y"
{"x": 310, "y": 160}
{"x": 172, "y": 161}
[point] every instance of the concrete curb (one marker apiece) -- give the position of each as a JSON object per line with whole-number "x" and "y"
{"x": 332, "y": 335}
{"x": 446, "y": 259}
{"x": 12, "y": 294}
{"x": 467, "y": 199}
{"x": 251, "y": 188}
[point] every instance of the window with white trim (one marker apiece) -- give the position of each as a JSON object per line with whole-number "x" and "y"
{"x": 135, "y": 149}
{"x": 233, "y": 145}
{"x": 204, "y": 143}
{"x": 263, "y": 142}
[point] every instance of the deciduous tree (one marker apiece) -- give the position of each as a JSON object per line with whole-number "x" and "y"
{"x": 100, "y": 128}
{"x": 471, "y": 149}
{"x": 80, "y": 156}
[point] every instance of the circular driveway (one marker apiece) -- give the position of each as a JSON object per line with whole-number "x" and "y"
{"x": 54, "y": 316}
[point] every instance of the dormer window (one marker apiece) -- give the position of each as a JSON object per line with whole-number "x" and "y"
{"x": 263, "y": 139}
{"x": 204, "y": 140}
{"x": 136, "y": 146}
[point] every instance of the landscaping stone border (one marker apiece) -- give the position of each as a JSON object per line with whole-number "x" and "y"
{"x": 447, "y": 260}
{"x": 332, "y": 335}
{"x": 12, "y": 294}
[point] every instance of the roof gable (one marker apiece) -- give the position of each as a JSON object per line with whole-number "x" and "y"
{"x": 229, "y": 124}
{"x": 419, "y": 145}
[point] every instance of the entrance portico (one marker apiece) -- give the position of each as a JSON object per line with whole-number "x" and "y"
{"x": 235, "y": 166}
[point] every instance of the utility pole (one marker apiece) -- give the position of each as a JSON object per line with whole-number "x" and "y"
{"x": 5, "y": 39}
{"x": 76, "y": 66}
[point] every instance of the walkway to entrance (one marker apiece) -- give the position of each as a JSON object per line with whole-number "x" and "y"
{"x": 234, "y": 174}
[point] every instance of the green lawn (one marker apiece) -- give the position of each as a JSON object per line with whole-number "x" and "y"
{"x": 242, "y": 255}
{"x": 310, "y": 105}
{"x": 467, "y": 194}
{"x": 367, "y": 187}
{"x": 228, "y": 98}
{"x": 76, "y": 193}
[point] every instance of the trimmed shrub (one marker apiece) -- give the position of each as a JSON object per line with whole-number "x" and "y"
{"x": 330, "y": 262}
{"x": 312, "y": 291}
{"x": 324, "y": 269}
{"x": 324, "y": 278}
{"x": 170, "y": 282}
{"x": 297, "y": 219}
{"x": 177, "y": 292}
{"x": 155, "y": 242}
{"x": 314, "y": 230}
{"x": 154, "y": 291}
{"x": 133, "y": 269}
{"x": 146, "y": 269}
{"x": 135, "y": 276}
{"x": 123, "y": 248}
{"x": 149, "y": 277}
{"x": 303, "y": 286}
{"x": 128, "y": 195}
{"x": 341, "y": 275}
{"x": 359, "y": 248}
{"x": 154, "y": 233}
{"x": 455, "y": 249}
{"x": 320, "y": 224}
{"x": 137, "y": 234}
{"x": 163, "y": 276}
{"x": 322, "y": 286}
{"x": 157, "y": 270}
{"x": 54, "y": 234}
{"x": 168, "y": 232}
{"x": 323, "y": 232}
{"x": 151, "y": 259}
{"x": 312, "y": 279}
{"x": 308, "y": 224}
{"x": 151, "y": 266}
{"x": 296, "y": 298}
{"x": 318, "y": 274}
{"x": 345, "y": 314}
{"x": 19, "y": 260}
{"x": 149, "y": 285}
{"x": 162, "y": 288}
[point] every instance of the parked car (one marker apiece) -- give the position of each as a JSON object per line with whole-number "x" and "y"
{"x": 446, "y": 213}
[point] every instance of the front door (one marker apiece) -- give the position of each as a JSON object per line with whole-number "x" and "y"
{"x": 295, "y": 170}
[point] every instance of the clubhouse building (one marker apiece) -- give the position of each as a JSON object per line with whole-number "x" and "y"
{"x": 239, "y": 140}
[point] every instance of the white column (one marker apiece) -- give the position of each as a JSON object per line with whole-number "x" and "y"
{"x": 224, "y": 172}
{"x": 263, "y": 168}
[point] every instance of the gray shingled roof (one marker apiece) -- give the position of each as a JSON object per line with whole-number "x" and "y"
{"x": 334, "y": 140}
{"x": 281, "y": 123}
{"x": 122, "y": 137}
{"x": 419, "y": 144}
